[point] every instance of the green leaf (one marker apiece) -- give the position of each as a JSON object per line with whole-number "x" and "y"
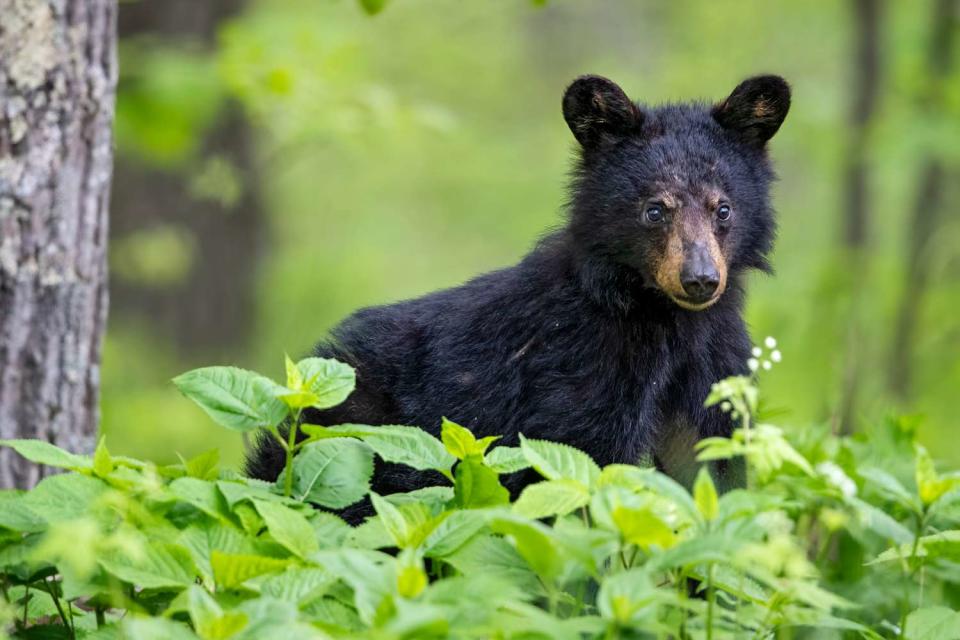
{"x": 329, "y": 380}
{"x": 203, "y": 495}
{"x": 102, "y": 463}
{"x": 411, "y": 446}
{"x": 944, "y": 545}
{"x": 637, "y": 479}
{"x": 333, "y": 473}
{"x": 705, "y": 495}
{"x": 373, "y": 7}
{"x": 64, "y": 497}
{"x": 235, "y": 398}
{"x": 506, "y": 459}
{"x": 371, "y": 575}
{"x": 454, "y": 531}
{"x": 643, "y": 528}
{"x": 161, "y": 566}
{"x": 551, "y": 498}
{"x": 298, "y": 585}
{"x": 411, "y": 578}
{"x": 556, "y": 461}
{"x": 233, "y": 569}
{"x": 203, "y": 466}
{"x": 202, "y": 539}
{"x": 933, "y": 623}
{"x": 294, "y": 375}
{"x": 288, "y": 527}
{"x": 476, "y": 485}
{"x": 460, "y": 442}
{"x": 534, "y": 543}
{"x": 155, "y": 629}
{"x": 43, "y": 452}
{"x": 495, "y": 557}
{"x": 208, "y": 617}
{"x": 393, "y": 521}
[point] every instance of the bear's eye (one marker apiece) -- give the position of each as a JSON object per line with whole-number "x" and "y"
{"x": 654, "y": 213}
{"x": 724, "y": 212}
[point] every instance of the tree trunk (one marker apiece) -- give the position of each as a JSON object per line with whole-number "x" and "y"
{"x": 856, "y": 221}
{"x": 57, "y": 83}
{"x": 929, "y": 207}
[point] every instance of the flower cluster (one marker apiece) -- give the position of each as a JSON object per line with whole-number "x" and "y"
{"x": 758, "y": 360}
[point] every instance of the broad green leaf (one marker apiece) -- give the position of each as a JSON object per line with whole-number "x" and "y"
{"x": 16, "y": 515}
{"x": 879, "y": 522}
{"x": 298, "y": 585}
{"x": 203, "y": 495}
{"x": 203, "y": 466}
{"x": 161, "y": 566}
{"x": 233, "y": 569}
{"x": 42, "y": 452}
{"x": 371, "y": 574}
{"x": 637, "y": 479}
{"x": 102, "y": 462}
{"x": 209, "y": 619}
{"x": 705, "y": 495}
{"x": 288, "y": 527}
{"x": 235, "y": 398}
{"x": 931, "y": 485}
{"x": 329, "y": 380}
{"x": 460, "y": 442}
{"x": 551, "y": 498}
{"x": 506, "y": 459}
{"x": 495, "y": 557}
{"x": 329, "y": 530}
{"x": 393, "y": 521}
{"x": 411, "y": 446}
{"x": 944, "y": 545}
{"x": 556, "y": 461}
{"x": 294, "y": 375}
{"x": 453, "y": 532}
{"x": 643, "y": 528}
{"x": 534, "y": 542}
{"x": 889, "y": 486}
{"x": 64, "y": 496}
{"x": 202, "y": 539}
{"x": 476, "y": 485}
{"x": 625, "y": 596}
{"x": 140, "y": 628}
{"x": 333, "y": 473}
{"x": 933, "y": 623}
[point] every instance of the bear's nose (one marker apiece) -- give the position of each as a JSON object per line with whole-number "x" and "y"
{"x": 699, "y": 282}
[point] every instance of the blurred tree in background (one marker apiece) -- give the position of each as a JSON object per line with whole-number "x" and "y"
{"x": 283, "y": 163}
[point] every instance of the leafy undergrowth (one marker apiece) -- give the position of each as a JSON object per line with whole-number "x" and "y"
{"x": 832, "y": 537}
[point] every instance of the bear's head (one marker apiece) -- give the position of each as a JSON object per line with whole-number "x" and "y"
{"x": 677, "y": 194}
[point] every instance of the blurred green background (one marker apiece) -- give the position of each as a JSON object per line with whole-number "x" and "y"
{"x": 281, "y": 163}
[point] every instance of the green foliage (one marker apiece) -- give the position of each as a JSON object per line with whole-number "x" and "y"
{"x": 820, "y": 539}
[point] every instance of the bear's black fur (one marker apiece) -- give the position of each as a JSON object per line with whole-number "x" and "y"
{"x": 605, "y": 336}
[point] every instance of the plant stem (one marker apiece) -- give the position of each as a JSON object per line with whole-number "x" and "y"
{"x": 711, "y": 601}
{"x": 56, "y": 602}
{"x": 101, "y": 618}
{"x": 291, "y": 444}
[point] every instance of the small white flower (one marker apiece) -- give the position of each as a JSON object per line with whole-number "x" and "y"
{"x": 757, "y": 352}
{"x": 767, "y": 365}
{"x": 836, "y": 476}
{"x": 753, "y": 363}
{"x": 776, "y": 356}
{"x": 725, "y": 405}
{"x": 770, "y": 342}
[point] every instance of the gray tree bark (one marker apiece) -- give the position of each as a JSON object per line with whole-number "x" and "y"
{"x": 58, "y": 75}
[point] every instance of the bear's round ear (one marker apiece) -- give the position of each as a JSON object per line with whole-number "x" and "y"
{"x": 594, "y": 107}
{"x": 755, "y": 109}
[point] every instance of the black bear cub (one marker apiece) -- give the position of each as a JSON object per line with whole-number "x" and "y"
{"x": 608, "y": 335}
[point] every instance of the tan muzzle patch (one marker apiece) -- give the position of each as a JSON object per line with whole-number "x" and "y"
{"x": 667, "y": 272}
